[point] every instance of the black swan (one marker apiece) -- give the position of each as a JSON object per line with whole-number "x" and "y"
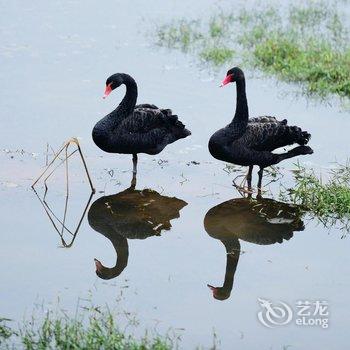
{"x": 131, "y": 129}
{"x": 261, "y": 221}
{"x": 131, "y": 214}
{"x": 250, "y": 142}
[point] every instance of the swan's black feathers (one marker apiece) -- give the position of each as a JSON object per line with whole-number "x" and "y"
{"x": 149, "y": 130}
{"x": 267, "y": 134}
{"x": 146, "y": 105}
{"x": 266, "y": 119}
{"x": 131, "y": 129}
{"x": 250, "y": 141}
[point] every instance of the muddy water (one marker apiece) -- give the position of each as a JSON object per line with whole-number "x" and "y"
{"x": 173, "y": 239}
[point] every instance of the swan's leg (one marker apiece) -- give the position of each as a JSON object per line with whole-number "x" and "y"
{"x": 249, "y": 177}
{"x": 133, "y": 181}
{"x": 134, "y": 171}
{"x": 134, "y": 162}
{"x": 260, "y": 173}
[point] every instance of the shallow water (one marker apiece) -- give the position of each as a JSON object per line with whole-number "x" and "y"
{"x": 55, "y": 59}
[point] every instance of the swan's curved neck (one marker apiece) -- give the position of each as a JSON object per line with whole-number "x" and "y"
{"x": 242, "y": 113}
{"x": 121, "y": 247}
{"x": 127, "y": 105}
{"x": 233, "y": 250}
{"x": 231, "y": 265}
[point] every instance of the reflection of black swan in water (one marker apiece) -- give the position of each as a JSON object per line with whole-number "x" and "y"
{"x": 131, "y": 214}
{"x": 131, "y": 129}
{"x": 262, "y": 221}
{"x": 250, "y": 142}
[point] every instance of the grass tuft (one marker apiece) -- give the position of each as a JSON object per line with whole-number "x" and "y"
{"x": 320, "y": 67}
{"x": 100, "y": 331}
{"x": 328, "y": 201}
{"x": 181, "y": 35}
{"x": 217, "y": 55}
{"x": 5, "y": 331}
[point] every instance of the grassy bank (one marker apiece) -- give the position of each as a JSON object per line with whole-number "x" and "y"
{"x": 328, "y": 200}
{"x": 306, "y": 44}
{"x": 58, "y": 331}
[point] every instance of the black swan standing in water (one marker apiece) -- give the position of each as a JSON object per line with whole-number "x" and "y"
{"x": 131, "y": 129}
{"x": 250, "y": 142}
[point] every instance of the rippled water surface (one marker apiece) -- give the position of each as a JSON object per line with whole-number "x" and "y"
{"x": 172, "y": 234}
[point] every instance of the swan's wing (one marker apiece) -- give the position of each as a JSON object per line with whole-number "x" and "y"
{"x": 266, "y": 119}
{"x": 146, "y": 119}
{"x": 146, "y": 105}
{"x": 267, "y": 136}
{"x": 146, "y": 130}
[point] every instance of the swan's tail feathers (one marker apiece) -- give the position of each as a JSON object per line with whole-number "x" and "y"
{"x": 177, "y": 128}
{"x": 305, "y": 150}
{"x": 173, "y": 119}
{"x": 180, "y": 129}
{"x": 185, "y": 133}
{"x": 174, "y": 125}
{"x": 296, "y": 135}
{"x": 297, "y": 151}
{"x": 167, "y": 111}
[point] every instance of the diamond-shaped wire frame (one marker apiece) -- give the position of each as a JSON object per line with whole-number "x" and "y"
{"x": 60, "y": 230}
{"x": 52, "y": 216}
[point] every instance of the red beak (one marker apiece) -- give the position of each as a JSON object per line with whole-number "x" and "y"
{"x": 108, "y": 90}
{"x": 227, "y": 80}
{"x": 98, "y": 265}
{"x": 211, "y": 287}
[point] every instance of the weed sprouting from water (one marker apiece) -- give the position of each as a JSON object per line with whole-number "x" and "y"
{"x": 5, "y": 331}
{"x": 306, "y": 44}
{"x": 328, "y": 201}
{"x": 320, "y": 67}
{"x": 181, "y": 35}
{"x": 217, "y": 55}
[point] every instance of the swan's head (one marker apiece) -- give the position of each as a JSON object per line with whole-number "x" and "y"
{"x": 113, "y": 82}
{"x": 104, "y": 272}
{"x": 232, "y": 75}
{"x": 219, "y": 293}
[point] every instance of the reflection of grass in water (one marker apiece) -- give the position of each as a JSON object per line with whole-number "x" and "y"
{"x": 328, "y": 201}
{"x": 58, "y": 331}
{"x": 303, "y": 43}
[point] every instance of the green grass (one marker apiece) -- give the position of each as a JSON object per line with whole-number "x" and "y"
{"x": 217, "y": 55}
{"x": 58, "y": 331}
{"x": 306, "y": 44}
{"x": 5, "y": 331}
{"x": 328, "y": 200}
{"x": 321, "y": 68}
{"x": 180, "y": 35}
